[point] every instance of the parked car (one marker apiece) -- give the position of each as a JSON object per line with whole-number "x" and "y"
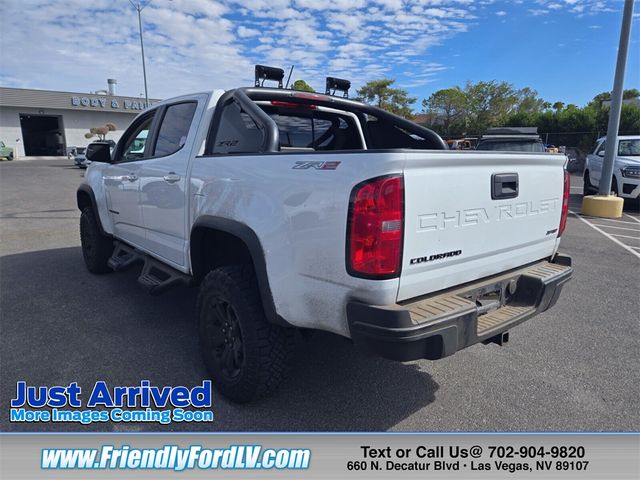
{"x": 5, "y": 152}
{"x": 511, "y": 139}
{"x": 296, "y": 210}
{"x": 461, "y": 144}
{"x": 577, "y": 159}
{"x": 625, "y": 181}
{"x": 79, "y": 156}
{"x": 549, "y": 148}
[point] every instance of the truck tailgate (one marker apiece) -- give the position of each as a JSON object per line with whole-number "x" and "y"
{"x": 465, "y": 217}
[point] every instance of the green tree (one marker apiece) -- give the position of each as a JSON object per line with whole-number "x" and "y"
{"x": 629, "y": 119}
{"x": 494, "y": 104}
{"x": 302, "y": 86}
{"x": 606, "y": 96}
{"x": 381, "y": 94}
{"x": 489, "y": 104}
{"x": 528, "y": 101}
{"x": 448, "y": 107}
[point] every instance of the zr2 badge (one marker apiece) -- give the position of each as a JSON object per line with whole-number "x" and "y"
{"x": 306, "y": 165}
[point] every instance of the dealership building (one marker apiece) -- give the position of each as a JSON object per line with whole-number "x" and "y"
{"x": 46, "y": 122}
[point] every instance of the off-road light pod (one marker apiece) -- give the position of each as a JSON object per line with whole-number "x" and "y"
{"x": 334, "y": 84}
{"x": 565, "y": 203}
{"x": 375, "y": 228}
{"x": 263, "y": 72}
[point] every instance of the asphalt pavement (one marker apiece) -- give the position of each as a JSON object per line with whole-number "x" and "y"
{"x": 573, "y": 368}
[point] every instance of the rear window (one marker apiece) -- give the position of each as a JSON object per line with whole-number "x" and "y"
{"x": 300, "y": 132}
{"x": 383, "y": 134}
{"x": 511, "y": 146}
{"x": 314, "y": 130}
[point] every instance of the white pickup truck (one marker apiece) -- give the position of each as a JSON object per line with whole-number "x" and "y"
{"x": 294, "y": 210}
{"x": 625, "y": 182}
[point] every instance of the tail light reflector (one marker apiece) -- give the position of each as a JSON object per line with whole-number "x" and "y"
{"x": 375, "y": 228}
{"x": 565, "y": 203}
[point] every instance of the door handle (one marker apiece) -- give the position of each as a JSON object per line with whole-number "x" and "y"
{"x": 504, "y": 185}
{"x": 171, "y": 177}
{"x": 132, "y": 177}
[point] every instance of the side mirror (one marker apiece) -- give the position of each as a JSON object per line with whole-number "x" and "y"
{"x": 601, "y": 153}
{"x": 99, "y": 152}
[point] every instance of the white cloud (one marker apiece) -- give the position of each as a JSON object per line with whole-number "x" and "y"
{"x": 538, "y": 12}
{"x": 204, "y": 44}
{"x": 244, "y": 32}
{"x": 578, "y": 7}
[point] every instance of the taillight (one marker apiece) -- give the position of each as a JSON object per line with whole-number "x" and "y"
{"x": 565, "y": 203}
{"x": 374, "y": 232}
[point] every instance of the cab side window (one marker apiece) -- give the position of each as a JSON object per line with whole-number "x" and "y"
{"x": 134, "y": 147}
{"x": 601, "y": 148}
{"x": 174, "y": 129}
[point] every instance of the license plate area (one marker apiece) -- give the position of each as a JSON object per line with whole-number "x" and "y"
{"x": 492, "y": 296}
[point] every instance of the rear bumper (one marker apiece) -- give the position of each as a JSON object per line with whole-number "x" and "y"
{"x": 437, "y": 326}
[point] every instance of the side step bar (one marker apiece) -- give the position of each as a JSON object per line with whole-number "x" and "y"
{"x": 156, "y": 277}
{"x": 124, "y": 257}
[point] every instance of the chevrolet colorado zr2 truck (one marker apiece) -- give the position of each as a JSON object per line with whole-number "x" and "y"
{"x": 293, "y": 210}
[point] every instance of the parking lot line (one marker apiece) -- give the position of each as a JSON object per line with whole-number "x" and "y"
{"x": 625, "y": 236}
{"x": 608, "y": 219}
{"x": 617, "y": 228}
{"x": 631, "y": 216}
{"x": 609, "y": 236}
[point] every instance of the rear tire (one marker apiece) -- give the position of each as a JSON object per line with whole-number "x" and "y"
{"x": 97, "y": 248}
{"x": 587, "y": 188}
{"x": 246, "y": 356}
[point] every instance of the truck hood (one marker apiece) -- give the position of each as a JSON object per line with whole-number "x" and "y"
{"x": 624, "y": 161}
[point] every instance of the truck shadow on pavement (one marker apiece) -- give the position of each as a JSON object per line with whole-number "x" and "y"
{"x": 61, "y": 324}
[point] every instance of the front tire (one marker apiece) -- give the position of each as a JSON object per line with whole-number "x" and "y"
{"x": 246, "y": 356}
{"x": 97, "y": 248}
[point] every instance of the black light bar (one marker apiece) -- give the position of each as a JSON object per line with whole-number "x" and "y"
{"x": 268, "y": 73}
{"x": 339, "y": 84}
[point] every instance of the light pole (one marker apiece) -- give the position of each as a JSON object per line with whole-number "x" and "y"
{"x": 139, "y": 7}
{"x": 611, "y": 149}
{"x": 606, "y": 205}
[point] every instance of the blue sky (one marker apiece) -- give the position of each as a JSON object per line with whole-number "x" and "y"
{"x": 564, "y": 49}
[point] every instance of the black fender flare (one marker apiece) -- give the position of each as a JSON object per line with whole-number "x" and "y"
{"x": 86, "y": 190}
{"x": 252, "y": 242}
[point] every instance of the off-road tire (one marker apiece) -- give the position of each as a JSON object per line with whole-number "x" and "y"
{"x": 258, "y": 352}
{"x": 97, "y": 248}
